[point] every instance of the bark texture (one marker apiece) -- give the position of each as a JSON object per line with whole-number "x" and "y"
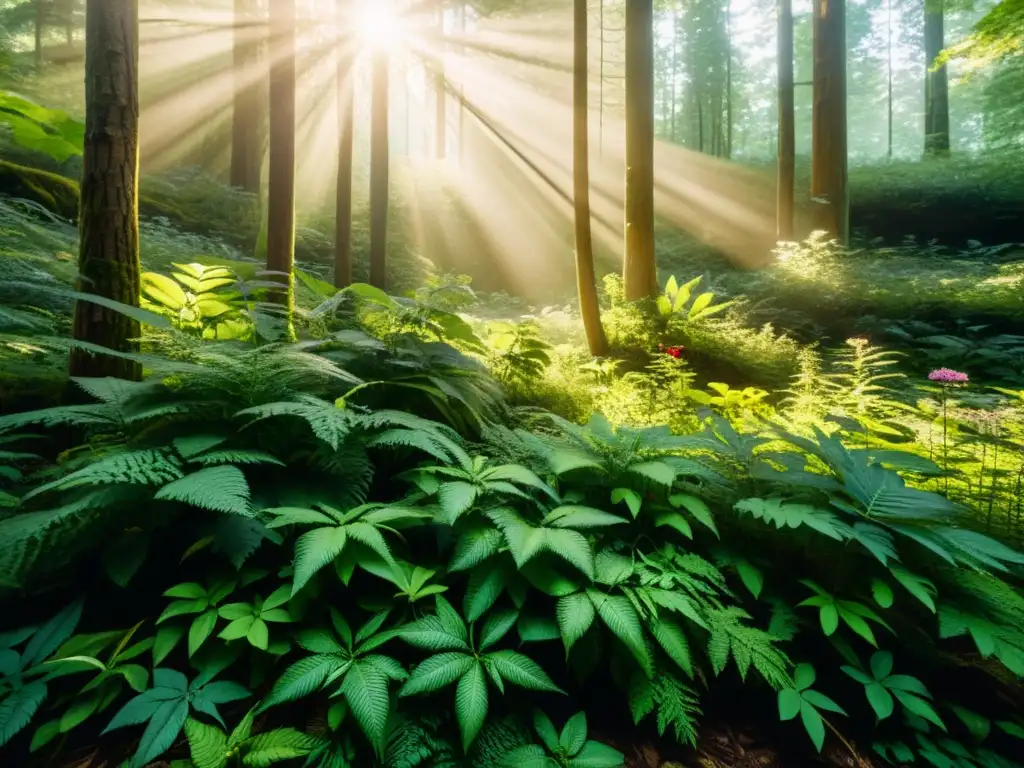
{"x": 828, "y": 132}
{"x": 281, "y": 195}
{"x": 379, "y": 172}
{"x": 346, "y": 132}
{"x": 787, "y": 127}
{"x": 936, "y": 83}
{"x": 639, "y": 272}
{"x": 586, "y": 288}
{"x": 247, "y": 119}
{"x": 108, "y": 260}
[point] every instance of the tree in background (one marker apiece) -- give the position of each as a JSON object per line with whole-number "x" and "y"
{"x": 936, "y": 82}
{"x": 586, "y": 288}
{"x": 640, "y": 277}
{"x": 379, "y": 169}
{"x": 247, "y": 120}
{"x": 786, "y": 182}
{"x": 440, "y": 94}
{"x": 108, "y": 259}
{"x": 281, "y": 195}
{"x": 345, "y": 83}
{"x": 828, "y": 144}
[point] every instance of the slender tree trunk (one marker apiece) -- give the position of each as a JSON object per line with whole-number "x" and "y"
{"x": 727, "y": 139}
{"x": 828, "y": 131}
{"x": 379, "y": 159}
{"x": 639, "y": 271}
{"x": 888, "y": 29}
{"x": 439, "y": 87}
{"x": 246, "y": 144}
{"x": 586, "y": 286}
{"x": 787, "y": 125}
{"x": 675, "y": 71}
{"x": 108, "y": 259}
{"x": 936, "y": 114}
{"x": 40, "y": 10}
{"x": 600, "y": 83}
{"x": 462, "y": 89}
{"x": 281, "y": 179}
{"x": 700, "y": 123}
{"x": 346, "y": 133}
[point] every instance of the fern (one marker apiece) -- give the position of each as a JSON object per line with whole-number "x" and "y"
{"x": 748, "y": 646}
{"x": 674, "y": 703}
{"x": 221, "y": 489}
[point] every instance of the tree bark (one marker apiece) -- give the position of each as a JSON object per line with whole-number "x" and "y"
{"x": 441, "y": 95}
{"x": 281, "y": 194}
{"x": 639, "y": 270}
{"x": 346, "y": 132}
{"x": 246, "y": 142}
{"x": 379, "y": 171}
{"x": 936, "y": 83}
{"x": 828, "y": 131}
{"x": 586, "y": 287}
{"x": 108, "y": 258}
{"x": 787, "y": 125}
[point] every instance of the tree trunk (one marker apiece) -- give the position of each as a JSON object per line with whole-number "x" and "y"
{"x": 675, "y": 72}
{"x": 346, "y": 132}
{"x": 40, "y": 10}
{"x": 108, "y": 258}
{"x": 888, "y": 68}
{"x": 462, "y": 89}
{"x": 936, "y": 83}
{"x": 246, "y": 143}
{"x": 828, "y": 131}
{"x": 787, "y": 125}
{"x": 639, "y": 271}
{"x": 281, "y": 179}
{"x": 379, "y": 159}
{"x": 439, "y": 87}
{"x": 586, "y": 286}
{"x": 727, "y": 139}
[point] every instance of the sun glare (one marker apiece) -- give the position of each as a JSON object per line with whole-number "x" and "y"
{"x": 378, "y": 26}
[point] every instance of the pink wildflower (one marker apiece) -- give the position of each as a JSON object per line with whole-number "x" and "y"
{"x": 948, "y": 376}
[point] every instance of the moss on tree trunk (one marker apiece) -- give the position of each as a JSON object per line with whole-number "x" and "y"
{"x": 108, "y": 260}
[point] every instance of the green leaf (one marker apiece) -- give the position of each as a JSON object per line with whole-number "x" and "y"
{"x": 161, "y": 732}
{"x": 574, "y": 735}
{"x": 881, "y": 664}
{"x": 315, "y": 549}
{"x": 208, "y": 745}
{"x": 52, "y": 634}
{"x": 258, "y": 634}
{"x": 803, "y": 676}
{"x": 979, "y": 725}
{"x": 789, "y": 703}
{"x": 671, "y": 638}
{"x": 545, "y": 729}
{"x": 44, "y": 734}
{"x": 698, "y": 508}
{"x": 456, "y": 498}
{"x": 880, "y": 700}
{"x": 813, "y": 724}
{"x": 528, "y": 756}
{"x": 278, "y": 745}
{"x": 571, "y": 546}
{"x": 575, "y": 615}
{"x": 201, "y": 628}
{"x": 167, "y": 638}
{"x": 597, "y": 755}
{"x": 431, "y": 634}
{"x": 79, "y": 711}
{"x": 237, "y": 629}
{"x": 365, "y": 689}
{"x": 751, "y": 577}
{"x": 632, "y": 498}
{"x": 189, "y": 590}
{"x": 471, "y": 704}
{"x": 920, "y": 707}
{"x": 620, "y": 617}
{"x": 918, "y": 586}
{"x": 485, "y": 585}
{"x": 475, "y": 544}
{"x": 829, "y": 616}
{"x": 436, "y": 672}
{"x": 521, "y": 670}
{"x": 655, "y": 471}
{"x": 882, "y": 593}
{"x": 20, "y": 706}
{"x": 303, "y": 678}
{"x": 496, "y": 627}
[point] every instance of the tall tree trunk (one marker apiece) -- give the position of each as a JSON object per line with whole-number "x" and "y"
{"x": 787, "y": 125}
{"x": 888, "y": 68}
{"x": 379, "y": 159}
{"x": 936, "y": 83}
{"x": 108, "y": 258}
{"x": 675, "y": 71}
{"x": 727, "y": 139}
{"x": 246, "y": 144}
{"x": 639, "y": 271}
{"x": 441, "y": 94}
{"x": 828, "y": 131}
{"x": 40, "y": 9}
{"x": 346, "y": 132}
{"x": 600, "y": 82}
{"x": 586, "y": 287}
{"x": 462, "y": 89}
{"x": 281, "y": 194}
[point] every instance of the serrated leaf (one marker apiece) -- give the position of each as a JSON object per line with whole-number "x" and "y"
{"x": 620, "y": 617}
{"x": 496, "y": 627}
{"x": 208, "y": 745}
{"x": 315, "y": 549}
{"x": 303, "y": 678}
{"x": 436, "y": 672}
{"x": 574, "y": 734}
{"x": 575, "y": 615}
{"x": 597, "y": 755}
{"x": 366, "y": 690}
{"x": 631, "y": 497}
{"x": 545, "y": 729}
{"x": 19, "y": 707}
{"x": 522, "y": 671}
{"x": 486, "y": 583}
{"x": 471, "y": 704}
{"x": 161, "y": 731}
{"x": 49, "y": 637}
{"x": 201, "y": 629}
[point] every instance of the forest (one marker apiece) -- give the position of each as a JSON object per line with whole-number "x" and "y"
{"x": 511, "y": 383}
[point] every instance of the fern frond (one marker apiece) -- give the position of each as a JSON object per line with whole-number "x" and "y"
{"x": 749, "y": 647}
{"x": 675, "y": 703}
{"x": 328, "y": 422}
{"x": 220, "y": 489}
{"x": 145, "y": 467}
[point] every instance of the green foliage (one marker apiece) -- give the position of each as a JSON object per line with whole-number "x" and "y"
{"x": 568, "y": 749}
{"x": 49, "y": 131}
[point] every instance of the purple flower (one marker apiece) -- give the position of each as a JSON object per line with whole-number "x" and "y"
{"x": 948, "y": 376}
